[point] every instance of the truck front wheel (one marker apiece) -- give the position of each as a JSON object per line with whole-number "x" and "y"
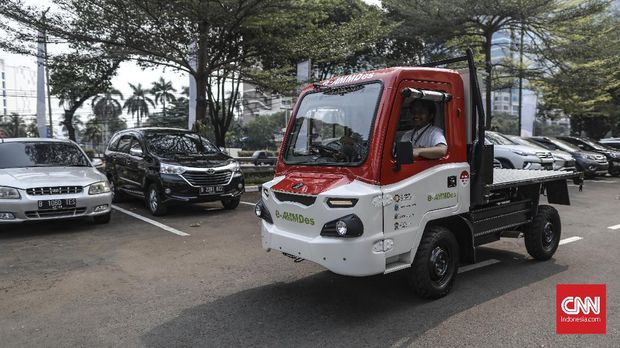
{"x": 542, "y": 236}
{"x": 436, "y": 263}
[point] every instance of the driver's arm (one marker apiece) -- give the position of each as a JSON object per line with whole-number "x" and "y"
{"x": 437, "y": 151}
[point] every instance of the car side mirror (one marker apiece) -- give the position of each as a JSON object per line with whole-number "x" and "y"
{"x": 404, "y": 153}
{"x": 137, "y": 152}
{"x": 97, "y": 162}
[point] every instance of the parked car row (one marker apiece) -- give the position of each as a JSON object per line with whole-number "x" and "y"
{"x": 564, "y": 153}
{"x": 47, "y": 179}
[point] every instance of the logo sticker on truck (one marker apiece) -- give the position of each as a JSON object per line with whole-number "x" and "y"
{"x": 441, "y": 196}
{"x": 292, "y": 217}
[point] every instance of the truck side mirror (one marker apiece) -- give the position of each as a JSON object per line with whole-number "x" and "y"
{"x": 404, "y": 153}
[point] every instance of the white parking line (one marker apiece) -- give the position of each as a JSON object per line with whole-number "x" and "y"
{"x": 604, "y": 181}
{"x": 569, "y": 240}
{"x": 478, "y": 265}
{"x": 152, "y": 222}
{"x": 614, "y": 227}
{"x": 248, "y": 203}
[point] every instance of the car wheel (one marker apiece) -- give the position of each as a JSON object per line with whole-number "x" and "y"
{"x": 154, "y": 201}
{"x": 542, "y": 236}
{"x": 615, "y": 173}
{"x": 117, "y": 195}
{"x": 436, "y": 262}
{"x": 231, "y": 203}
{"x": 506, "y": 164}
{"x": 102, "y": 219}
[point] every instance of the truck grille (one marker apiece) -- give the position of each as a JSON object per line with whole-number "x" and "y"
{"x": 206, "y": 179}
{"x": 301, "y": 199}
{"x": 57, "y": 190}
{"x": 38, "y": 214}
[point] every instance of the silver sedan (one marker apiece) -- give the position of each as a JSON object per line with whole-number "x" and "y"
{"x": 48, "y": 179}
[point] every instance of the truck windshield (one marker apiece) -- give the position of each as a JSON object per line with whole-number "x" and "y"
{"x": 167, "y": 144}
{"x": 333, "y": 126}
{"x": 41, "y": 154}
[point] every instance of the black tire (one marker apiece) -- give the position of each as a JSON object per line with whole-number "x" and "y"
{"x": 436, "y": 263}
{"x": 154, "y": 201}
{"x": 102, "y": 219}
{"x": 117, "y": 195}
{"x": 615, "y": 172}
{"x": 542, "y": 235}
{"x": 231, "y": 203}
{"x": 506, "y": 164}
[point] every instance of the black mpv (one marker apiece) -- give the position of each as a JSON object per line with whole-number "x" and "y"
{"x": 170, "y": 166}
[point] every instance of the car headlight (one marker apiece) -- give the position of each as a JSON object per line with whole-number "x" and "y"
{"x": 9, "y": 193}
{"x": 236, "y": 167}
{"x": 171, "y": 169}
{"x": 99, "y": 188}
{"x": 591, "y": 157}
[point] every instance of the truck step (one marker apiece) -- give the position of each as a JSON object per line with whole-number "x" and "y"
{"x": 396, "y": 266}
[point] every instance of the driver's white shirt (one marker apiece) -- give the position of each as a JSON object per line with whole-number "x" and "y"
{"x": 420, "y": 137}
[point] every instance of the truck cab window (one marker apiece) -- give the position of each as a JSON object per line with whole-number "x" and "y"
{"x": 422, "y": 123}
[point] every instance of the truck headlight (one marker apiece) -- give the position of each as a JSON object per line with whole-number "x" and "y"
{"x": 99, "y": 188}
{"x": 165, "y": 168}
{"x": 9, "y": 193}
{"x": 345, "y": 227}
{"x": 523, "y": 153}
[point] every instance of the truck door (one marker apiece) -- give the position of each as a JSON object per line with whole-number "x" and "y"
{"x": 428, "y": 188}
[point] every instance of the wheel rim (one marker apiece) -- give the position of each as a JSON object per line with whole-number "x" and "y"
{"x": 548, "y": 235}
{"x": 439, "y": 264}
{"x": 153, "y": 200}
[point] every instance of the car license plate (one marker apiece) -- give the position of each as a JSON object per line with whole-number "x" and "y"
{"x": 57, "y": 203}
{"x": 211, "y": 189}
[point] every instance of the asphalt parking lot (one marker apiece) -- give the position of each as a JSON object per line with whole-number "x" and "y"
{"x": 198, "y": 277}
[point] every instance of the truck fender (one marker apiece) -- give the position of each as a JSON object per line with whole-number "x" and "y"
{"x": 464, "y": 233}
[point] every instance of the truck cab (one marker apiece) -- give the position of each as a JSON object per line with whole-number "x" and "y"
{"x": 348, "y": 194}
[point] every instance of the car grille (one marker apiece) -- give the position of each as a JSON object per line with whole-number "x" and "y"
{"x": 38, "y": 214}
{"x": 206, "y": 179}
{"x": 543, "y": 155}
{"x": 569, "y": 163}
{"x": 56, "y": 190}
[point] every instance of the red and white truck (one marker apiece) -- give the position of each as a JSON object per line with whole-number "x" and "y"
{"x": 348, "y": 194}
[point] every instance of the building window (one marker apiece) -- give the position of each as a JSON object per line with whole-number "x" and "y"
{"x": 505, "y": 107}
{"x": 506, "y": 98}
{"x": 494, "y": 107}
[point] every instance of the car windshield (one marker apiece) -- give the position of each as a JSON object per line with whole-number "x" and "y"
{"x": 595, "y": 145}
{"x": 41, "y": 154}
{"x": 166, "y": 144}
{"x": 498, "y": 139}
{"x": 564, "y": 145}
{"x": 333, "y": 126}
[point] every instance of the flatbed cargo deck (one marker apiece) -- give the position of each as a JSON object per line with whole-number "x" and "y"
{"x": 503, "y": 178}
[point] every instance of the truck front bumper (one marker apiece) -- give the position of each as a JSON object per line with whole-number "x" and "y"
{"x": 345, "y": 256}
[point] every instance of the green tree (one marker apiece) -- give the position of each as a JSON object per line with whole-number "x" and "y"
{"x": 449, "y": 26}
{"x": 93, "y": 132}
{"x": 107, "y": 109}
{"x": 14, "y": 125}
{"x": 162, "y": 90}
{"x": 77, "y": 77}
{"x": 261, "y": 131}
{"x": 585, "y": 85}
{"x": 138, "y": 103}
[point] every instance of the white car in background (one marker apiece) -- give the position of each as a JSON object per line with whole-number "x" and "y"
{"x": 562, "y": 160}
{"x": 49, "y": 179}
{"x": 513, "y": 155}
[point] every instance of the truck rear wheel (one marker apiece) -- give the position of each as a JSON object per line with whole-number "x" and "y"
{"x": 436, "y": 263}
{"x": 542, "y": 236}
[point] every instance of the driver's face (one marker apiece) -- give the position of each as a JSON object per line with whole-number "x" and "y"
{"x": 420, "y": 115}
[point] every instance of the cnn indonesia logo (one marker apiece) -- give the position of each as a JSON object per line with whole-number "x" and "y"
{"x": 580, "y": 309}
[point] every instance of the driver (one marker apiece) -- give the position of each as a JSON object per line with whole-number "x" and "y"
{"x": 428, "y": 141}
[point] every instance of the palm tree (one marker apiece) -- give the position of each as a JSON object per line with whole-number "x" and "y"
{"x": 107, "y": 108}
{"x": 161, "y": 90}
{"x": 138, "y": 103}
{"x": 14, "y": 125}
{"x": 93, "y": 133}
